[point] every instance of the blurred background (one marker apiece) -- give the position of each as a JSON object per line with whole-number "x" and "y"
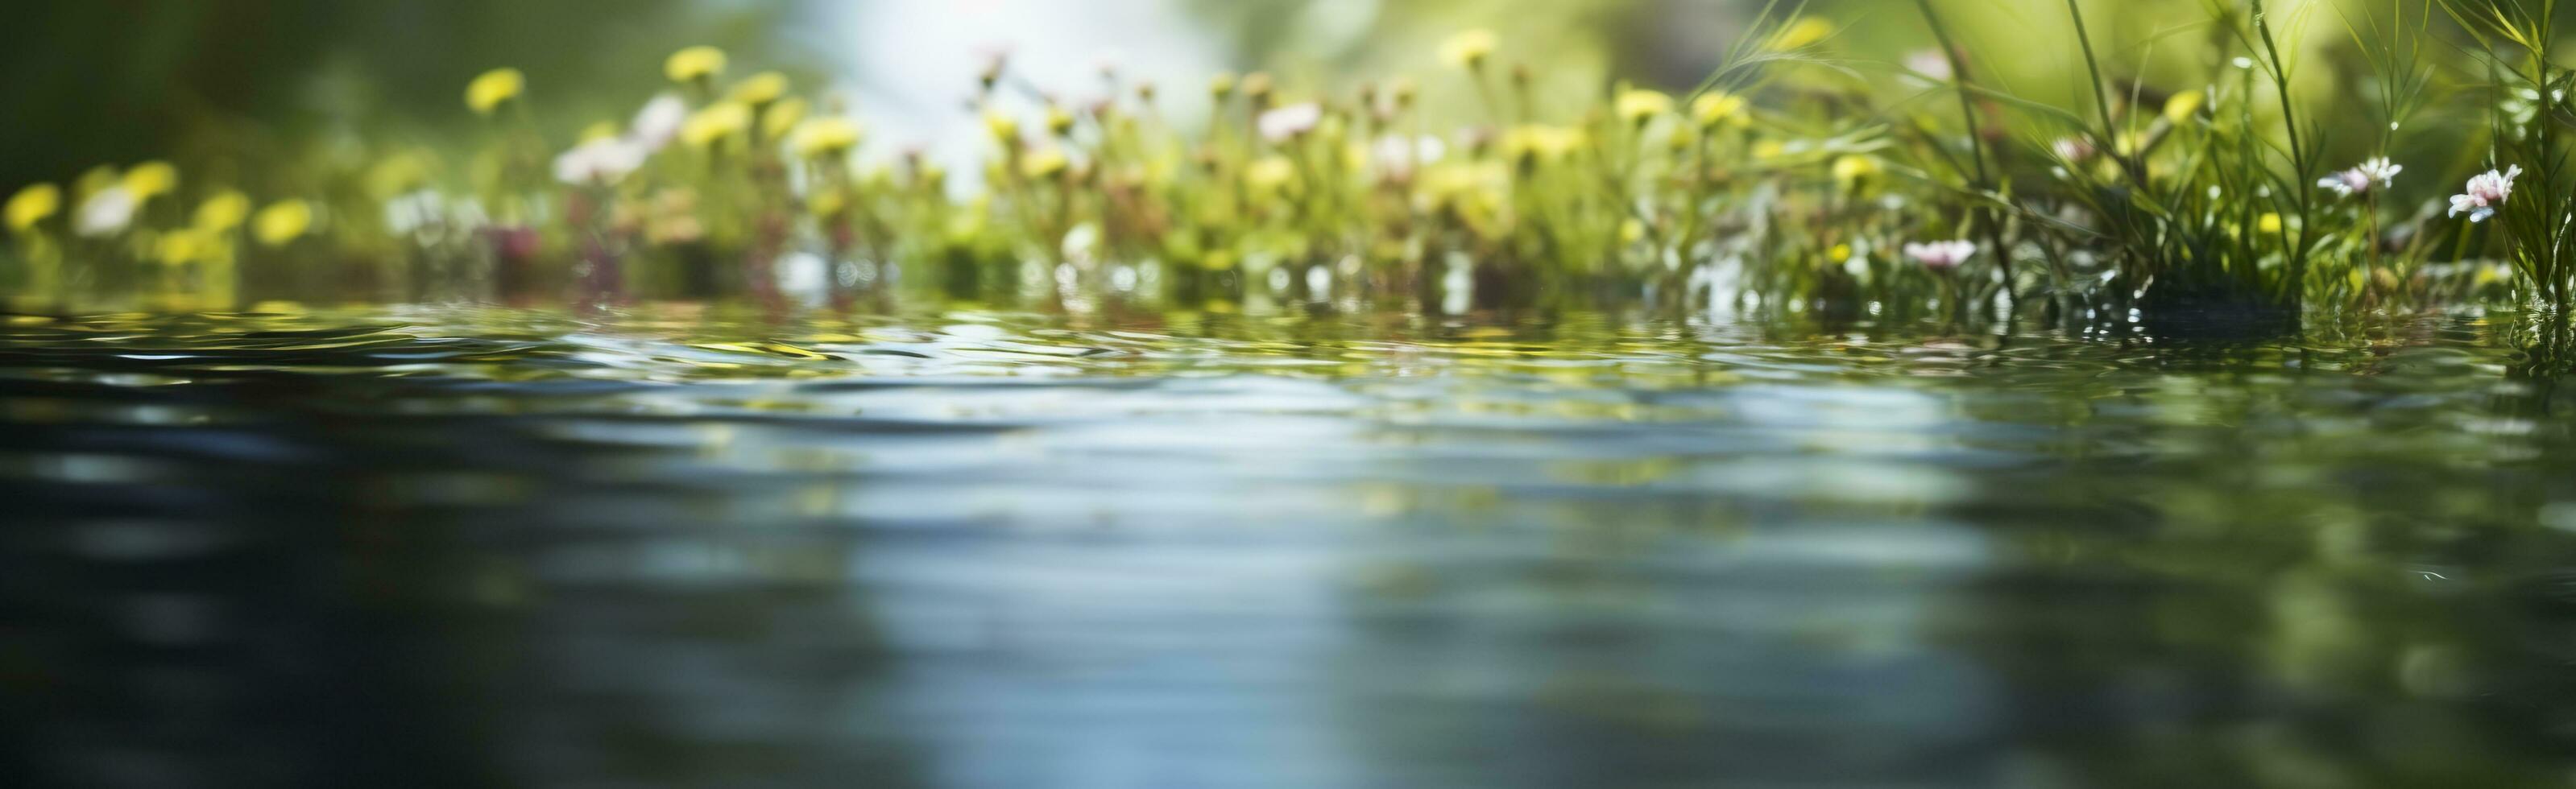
{"x": 273, "y": 81}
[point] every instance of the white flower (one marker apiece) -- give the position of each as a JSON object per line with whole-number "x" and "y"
{"x": 2371, "y": 174}
{"x": 2485, "y": 191}
{"x": 1397, "y": 155}
{"x": 1280, "y": 124}
{"x": 105, "y": 213}
{"x": 412, "y": 212}
{"x": 659, "y": 122}
{"x": 1941, "y": 255}
{"x": 2073, "y": 149}
{"x": 602, "y": 161}
{"x": 1929, "y": 63}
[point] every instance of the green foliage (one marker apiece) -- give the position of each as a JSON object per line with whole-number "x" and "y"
{"x": 1794, "y": 177}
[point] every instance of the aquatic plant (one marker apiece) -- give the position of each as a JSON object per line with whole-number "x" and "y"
{"x": 1793, "y": 178}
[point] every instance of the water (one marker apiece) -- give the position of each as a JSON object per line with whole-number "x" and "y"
{"x": 681, "y": 547}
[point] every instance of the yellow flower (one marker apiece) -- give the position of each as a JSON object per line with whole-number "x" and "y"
{"x": 282, "y": 222}
{"x": 1632, "y": 231}
{"x": 494, "y": 88}
{"x": 1636, "y": 106}
{"x": 32, "y": 205}
{"x": 94, "y": 180}
{"x": 1269, "y": 172}
{"x": 179, "y": 247}
{"x": 1468, "y": 49}
{"x": 2129, "y": 142}
{"x": 396, "y": 174}
{"x": 694, "y": 63}
{"x": 1853, "y": 168}
{"x": 1003, "y": 128}
{"x": 1841, "y": 253}
{"x": 151, "y": 179}
{"x": 2182, "y": 105}
{"x": 823, "y": 138}
{"x": 2269, "y": 223}
{"x": 1044, "y": 163}
{"x": 223, "y": 212}
{"x": 761, "y": 88}
{"x": 1800, "y": 33}
{"x": 782, "y": 117}
{"x": 718, "y": 122}
{"x": 1541, "y": 143}
{"x": 1718, "y": 107}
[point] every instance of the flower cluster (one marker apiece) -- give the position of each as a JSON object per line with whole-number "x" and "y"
{"x": 719, "y": 184}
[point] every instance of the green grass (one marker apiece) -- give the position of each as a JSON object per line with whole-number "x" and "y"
{"x": 1789, "y": 180}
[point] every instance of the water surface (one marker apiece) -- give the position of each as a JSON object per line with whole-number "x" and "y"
{"x": 682, "y": 547}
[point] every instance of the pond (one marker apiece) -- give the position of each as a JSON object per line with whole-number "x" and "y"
{"x": 684, "y": 545}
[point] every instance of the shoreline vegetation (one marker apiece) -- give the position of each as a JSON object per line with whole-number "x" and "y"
{"x": 1789, "y": 181}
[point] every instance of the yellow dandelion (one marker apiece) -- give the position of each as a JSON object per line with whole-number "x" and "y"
{"x": 2269, "y": 223}
{"x": 717, "y": 123}
{"x": 395, "y": 175}
{"x": 823, "y": 138}
{"x": 1841, "y": 253}
{"x": 2182, "y": 105}
{"x": 33, "y": 204}
{"x": 1541, "y": 143}
{"x": 1637, "y": 106}
{"x": 694, "y": 63}
{"x": 1269, "y": 173}
{"x": 2129, "y": 142}
{"x": 826, "y": 202}
{"x": 1468, "y": 49}
{"x": 1003, "y": 128}
{"x": 761, "y": 88}
{"x": 151, "y": 179}
{"x": 1044, "y": 163}
{"x": 494, "y": 88}
{"x": 1718, "y": 107}
{"x": 1854, "y": 168}
{"x": 282, "y": 222}
{"x": 782, "y": 117}
{"x": 180, "y": 247}
{"x": 93, "y": 181}
{"x": 223, "y": 212}
{"x": 1801, "y": 33}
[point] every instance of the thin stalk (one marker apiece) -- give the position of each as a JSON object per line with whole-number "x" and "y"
{"x": 1976, "y": 144}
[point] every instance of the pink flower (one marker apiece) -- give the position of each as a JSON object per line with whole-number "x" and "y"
{"x": 2372, "y": 174}
{"x": 1941, "y": 255}
{"x": 2485, "y": 191}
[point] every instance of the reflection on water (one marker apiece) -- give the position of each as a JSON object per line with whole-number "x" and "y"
{"x": 460, "y": 547}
